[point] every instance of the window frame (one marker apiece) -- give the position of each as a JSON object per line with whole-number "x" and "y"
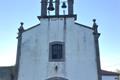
{"x": 50, "y": 51}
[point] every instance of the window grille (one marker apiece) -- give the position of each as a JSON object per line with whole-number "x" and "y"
{"x": 56, "y": 51}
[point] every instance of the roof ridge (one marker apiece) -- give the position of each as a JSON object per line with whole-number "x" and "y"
{"x": 84, "y": 25}
{"x": 31, "y": 27}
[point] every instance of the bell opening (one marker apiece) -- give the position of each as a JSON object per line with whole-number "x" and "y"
{"x": 50, "y": 7}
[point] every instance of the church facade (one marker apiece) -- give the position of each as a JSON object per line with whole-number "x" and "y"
{"x": 58, "y": 48}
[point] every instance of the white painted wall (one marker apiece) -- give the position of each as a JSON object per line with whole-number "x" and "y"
{"x": 80, "y": 56}
{"x": 110, "y": 77}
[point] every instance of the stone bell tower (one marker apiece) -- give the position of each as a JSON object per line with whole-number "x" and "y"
{"x": 58, "y": 48}
{"x": 45, "y": 3}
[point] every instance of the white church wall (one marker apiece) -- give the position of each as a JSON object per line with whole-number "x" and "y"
{"x": 33, "y": 61}
{"x": 80, "y": 56}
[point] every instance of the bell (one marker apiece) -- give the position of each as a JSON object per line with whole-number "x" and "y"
{"x": 51, "y": 8}
{"x": 64, "y": 5}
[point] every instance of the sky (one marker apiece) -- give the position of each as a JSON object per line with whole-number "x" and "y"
{"x": 106, "y": 12}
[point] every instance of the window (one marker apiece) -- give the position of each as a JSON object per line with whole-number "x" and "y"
{"x": 56, "y": 51}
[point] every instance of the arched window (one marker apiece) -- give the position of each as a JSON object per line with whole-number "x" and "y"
{"x": 57, "y": 51}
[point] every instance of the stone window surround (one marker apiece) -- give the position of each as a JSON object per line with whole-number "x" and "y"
{"x": 50, "y": 51}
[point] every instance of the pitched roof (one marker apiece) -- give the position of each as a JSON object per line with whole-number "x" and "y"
{"x": 32, "y": 27}
{"x": 104, "y": 72}
{"x": 84, "y": 25}
{"x": 75, "y": 23}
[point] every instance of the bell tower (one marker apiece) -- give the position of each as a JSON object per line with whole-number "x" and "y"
{"x": 48, "y": 6}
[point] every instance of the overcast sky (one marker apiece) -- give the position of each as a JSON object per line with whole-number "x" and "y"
{"x": 107, "y": 13}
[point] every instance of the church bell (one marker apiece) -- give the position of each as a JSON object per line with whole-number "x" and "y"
{"x": 64, "y": 5}
{"x": 50, "y": 7}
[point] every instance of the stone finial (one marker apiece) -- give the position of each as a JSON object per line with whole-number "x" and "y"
{"x": 95, "y": 28}
{"x": 22, "y": 23}
{"x": 94, "y": 23}
{"x": 94, "y": 20}
{"x": 21, "y": 29}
